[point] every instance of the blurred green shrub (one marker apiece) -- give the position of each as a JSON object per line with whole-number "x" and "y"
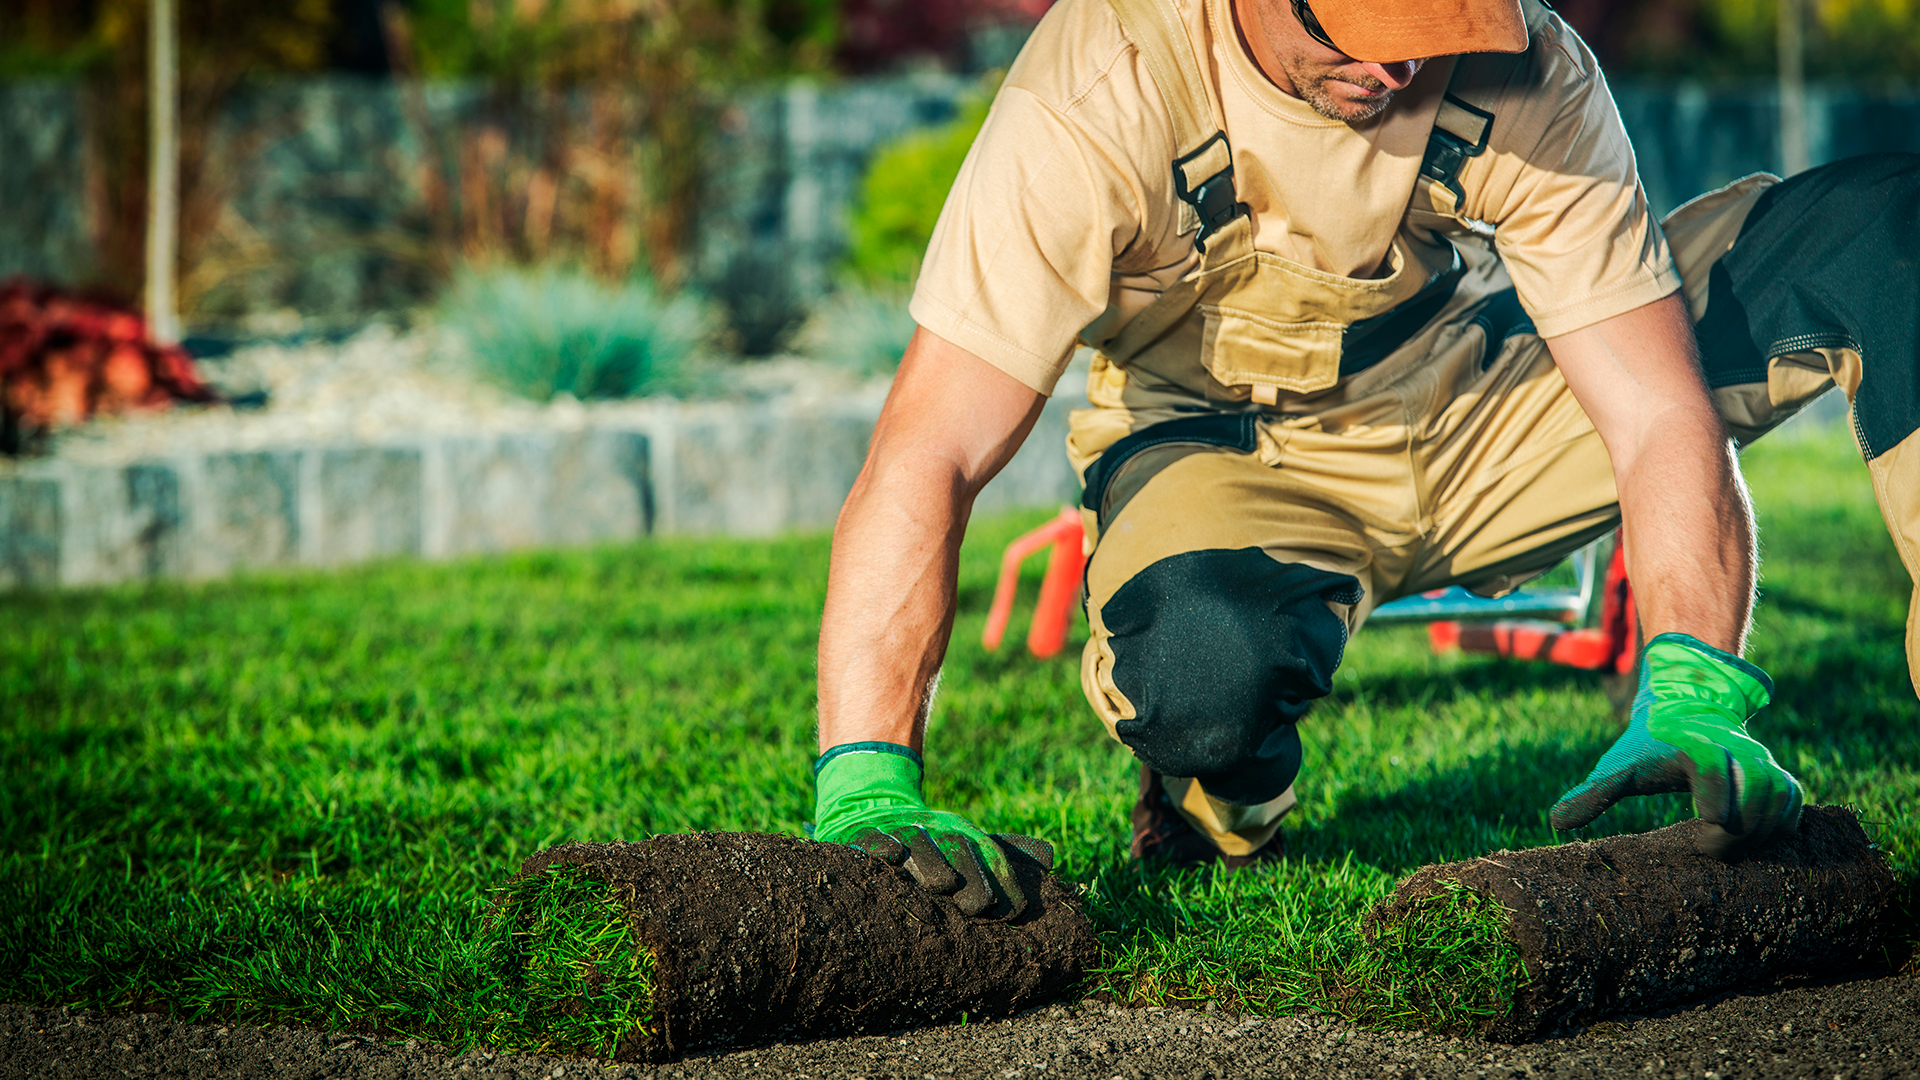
{"x": 547, "y": 330}
{"x": 900, "y": 198}
{"x": 1870, "y": 41}
{"x": 104, "y": 45}
{"x": 862, "y": 328}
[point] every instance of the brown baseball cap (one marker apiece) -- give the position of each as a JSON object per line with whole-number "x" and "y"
{"x": 1388, "y": 31}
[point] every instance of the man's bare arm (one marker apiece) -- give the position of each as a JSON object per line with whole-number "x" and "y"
{"x": 1690, "y": 556}
{"x": 950, "y": 423}
{"x": 1688, "y": 521}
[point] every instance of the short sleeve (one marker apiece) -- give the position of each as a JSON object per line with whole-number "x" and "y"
{"x": 1560, "y": 187}
{"x": 1022, "y": 257}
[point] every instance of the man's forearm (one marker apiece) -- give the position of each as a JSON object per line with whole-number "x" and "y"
{"x": 1689, "y": 525}
{"x": 950, "y": 423}
{"x": 890, "y": 601}
{"x": 1689, "y": 531}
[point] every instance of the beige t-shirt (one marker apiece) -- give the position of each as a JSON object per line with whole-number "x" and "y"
{"x": 1063, "y": 222}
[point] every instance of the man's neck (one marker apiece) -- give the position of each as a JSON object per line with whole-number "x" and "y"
{"x": 1250, "y": 27}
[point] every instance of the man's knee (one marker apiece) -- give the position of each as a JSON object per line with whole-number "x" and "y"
{"x": 1220, "y": 652}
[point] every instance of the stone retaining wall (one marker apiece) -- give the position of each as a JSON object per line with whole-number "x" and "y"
{"x": 720, "y": 468}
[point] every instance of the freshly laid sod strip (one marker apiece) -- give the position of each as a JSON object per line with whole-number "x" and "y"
{"x": 292, "y": 798}
{"x": 755, "y": 938}
{"x": 572, "y": 964}
{"x": 1635, "y": 924}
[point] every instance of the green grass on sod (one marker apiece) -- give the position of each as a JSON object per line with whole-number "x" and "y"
{"x": 294, "y": 798}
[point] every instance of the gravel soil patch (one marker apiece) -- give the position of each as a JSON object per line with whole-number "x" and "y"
{"x": 1860, "y": 1029}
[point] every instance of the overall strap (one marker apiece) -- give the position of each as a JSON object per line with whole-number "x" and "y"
{"x": 1459, "y": 132}
{"x": 1462, "y": 126}
{"x": 1203, "y": 173}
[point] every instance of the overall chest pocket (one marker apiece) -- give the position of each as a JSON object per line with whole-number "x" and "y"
{"x": 1276, "y": 325}
{"x": 1246, "y": 348}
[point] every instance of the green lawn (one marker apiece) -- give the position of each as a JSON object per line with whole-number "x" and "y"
{"x": 287, "y": 797}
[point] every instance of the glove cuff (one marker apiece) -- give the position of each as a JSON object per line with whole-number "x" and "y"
{"x": 1685, "y": 650}
{"x": 834, "y": 752}
{"x": 858, "y": 783}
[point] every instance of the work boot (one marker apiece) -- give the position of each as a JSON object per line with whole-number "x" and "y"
{"x": 1160, "y": 832}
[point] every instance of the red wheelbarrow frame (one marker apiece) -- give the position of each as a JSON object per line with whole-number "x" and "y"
{"x": 1609, "y": 646}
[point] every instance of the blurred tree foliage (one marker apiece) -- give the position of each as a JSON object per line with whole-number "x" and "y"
{"x": 1873, "y": 41}
{"x": 86, "y": 37}
{"x": 598, "y": 119}
{"x": 588, "y": 41}
{"x": 878, "y": 35}
{"x": 104, "y": 43}
{"x": 591, "y": 143}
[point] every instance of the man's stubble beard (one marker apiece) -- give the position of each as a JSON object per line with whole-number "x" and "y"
{"x": 1313, "y": 91}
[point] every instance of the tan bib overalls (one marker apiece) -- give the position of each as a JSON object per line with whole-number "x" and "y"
{"x": 1408, "y": 430}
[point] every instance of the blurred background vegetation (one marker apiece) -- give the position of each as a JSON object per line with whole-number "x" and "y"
{"x": 1866, "y": 41}
{"x": 546, "y": 41}
{"x": 591, "y": 144}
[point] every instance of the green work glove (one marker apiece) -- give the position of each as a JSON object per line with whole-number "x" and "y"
{"x": 867, "y": 796}
{"x": 1688, "y": 732}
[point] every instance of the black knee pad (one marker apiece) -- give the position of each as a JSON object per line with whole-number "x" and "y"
{"x": 1221, "y": 651}
{"x": 1827, "y": 260}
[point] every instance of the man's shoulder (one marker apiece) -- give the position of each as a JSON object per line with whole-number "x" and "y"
{"x": 1556, "y": 65}
{"x": 1079, "y": 53}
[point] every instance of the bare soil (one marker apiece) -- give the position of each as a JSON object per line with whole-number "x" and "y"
{"x": 1866, "y": 1029}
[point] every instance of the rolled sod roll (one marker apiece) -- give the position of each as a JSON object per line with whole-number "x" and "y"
{"x": 751, "y": 938}
{"x": 1631, "y": 924}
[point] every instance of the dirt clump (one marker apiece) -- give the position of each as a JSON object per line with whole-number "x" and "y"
{"x": 757, "y": 938}
{"x": 1634, "y": 924}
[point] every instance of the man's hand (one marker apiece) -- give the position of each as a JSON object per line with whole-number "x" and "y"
{"x": 1688, "y": 732}
{"x": 867, "y": 796}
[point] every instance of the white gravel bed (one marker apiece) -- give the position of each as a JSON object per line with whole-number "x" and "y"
{"x": 385, "y": 385}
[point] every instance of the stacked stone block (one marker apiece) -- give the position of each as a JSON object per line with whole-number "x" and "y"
{"x": 720, "y": 468}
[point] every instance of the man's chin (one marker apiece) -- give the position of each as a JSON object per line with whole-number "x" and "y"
{"x": 1345, "y": 105}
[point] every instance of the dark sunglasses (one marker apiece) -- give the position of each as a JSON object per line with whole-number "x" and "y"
{"x": 1312, "y": 25}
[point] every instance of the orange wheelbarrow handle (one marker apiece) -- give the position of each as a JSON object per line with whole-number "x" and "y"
{"x": 1065, "y": 564}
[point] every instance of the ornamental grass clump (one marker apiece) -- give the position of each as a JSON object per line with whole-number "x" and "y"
{"x": 544, "y": 331}
{"x": 863, "y": 329}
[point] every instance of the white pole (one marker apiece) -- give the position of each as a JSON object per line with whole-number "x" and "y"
{"x": 163, "y": 175}
{"x": 1793, "y": 87}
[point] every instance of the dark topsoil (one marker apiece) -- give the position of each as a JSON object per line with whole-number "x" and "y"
{"x": 1862, "y": 1029}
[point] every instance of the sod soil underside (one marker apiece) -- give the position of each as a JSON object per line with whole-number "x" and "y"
{"x": 758, "y": 937}
{"x": 1636, "y": 923}
{"x": 1864, "y": 1029}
